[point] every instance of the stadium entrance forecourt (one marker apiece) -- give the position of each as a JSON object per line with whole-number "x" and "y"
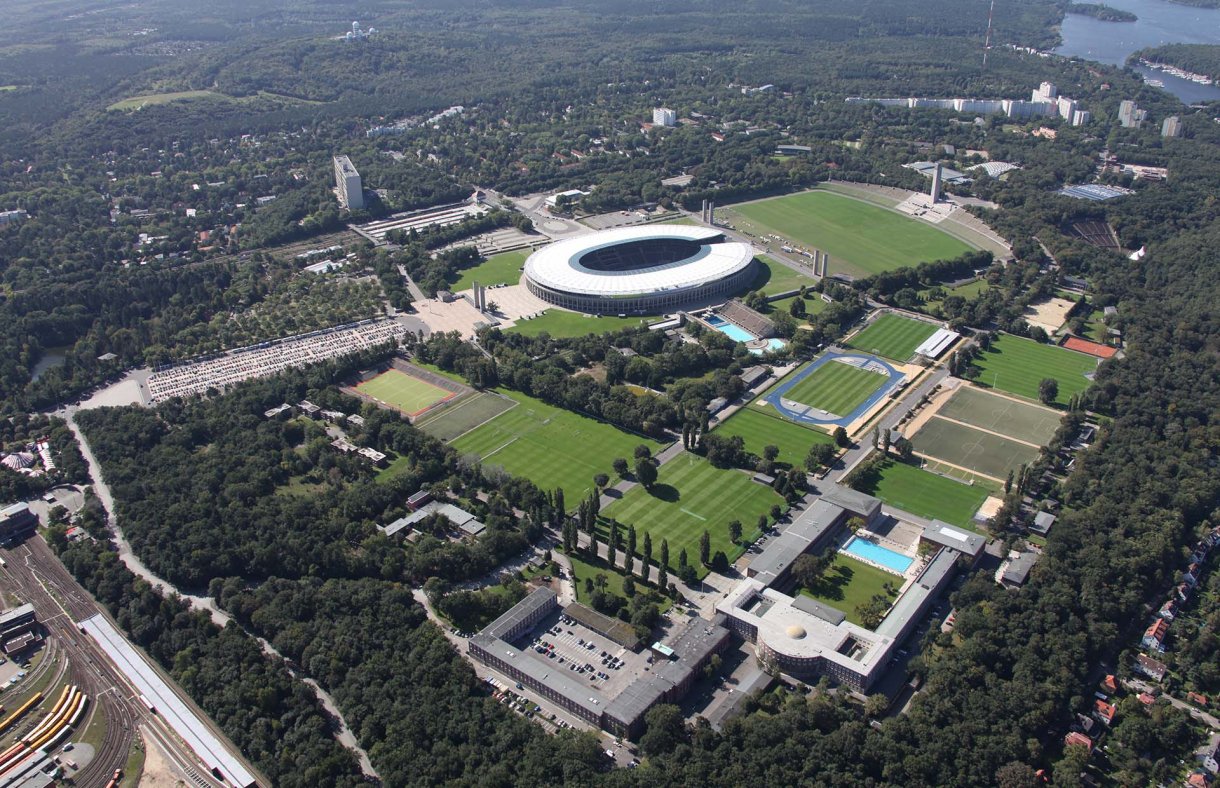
{"x": 645, "y": 269}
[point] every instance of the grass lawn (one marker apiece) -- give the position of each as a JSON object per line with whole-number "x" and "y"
{"x": 500, "y": 269}
{"x": 775, "y": 277}
{"x": 836, "y": 388}
{"x": 1017, "y": 365}
{"x": 562, "y": 324}
{"x": 550, "y": 446}
{"x": 862, "y": 239}
{"x": 689, "y": 497}
{"x": 402, "y": 391}
{"x": 136, "y": 102}
{"x": 925, "y": 494}
{"x": 849, "y": 583}
{"x": 813, "y": 305}
{"x": 582, "y": 569}
{"x": 761, "y": 429}
{"x": 134, "y": 767}
{"x": 893, "y": 337}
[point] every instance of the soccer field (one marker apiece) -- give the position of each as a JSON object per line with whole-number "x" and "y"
{"x": 861, "y": 239}
{"x": 550, "y": 446}
{"x": 690, "y": 496}
{"x": 1020, "y": 420}
{"x": 461, "y": 417}
{"x": 990, "y": 455}
{"x": 403, "y": 392}
{"x": 1017, "y": 365}
{"x": 893, "y": 337}
{"x": 925, "y": 494}
{"x": 836, "y": 387}
{"x": 760, "y": 429}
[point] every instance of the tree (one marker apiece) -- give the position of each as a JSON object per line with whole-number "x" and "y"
{"x": 1016, "y": 775}
{"x": 808, "y": 569}
{"x": 646, "y": 472}
{"x": 734, "y": 530}
{"x": 720, "y": 562}
{"x": 664, "y": 730}
{"x": 612, "y": 544}
{"x": 797, "y": 307}
{"x": 628, "y": 586}
{"x": 840, "y": 436}
{"x": 770, "y": 452}
{"x": 705, "y": 548}
{"x": 620, "y": 467}
{"x": 820, "y": 455}
{"x": 601, "y": 480}
{"x": 854, "y": 524}
{"x": 642, "y": 452}
{"x": 885, "y": 442}
{"x": 647, "y": 553}
{"x": 664, "y": 554}
{"x": 776, "y": 512}
{"x": 1048, "y": 390}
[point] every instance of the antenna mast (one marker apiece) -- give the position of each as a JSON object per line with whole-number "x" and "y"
{"x": 987, "y": 40}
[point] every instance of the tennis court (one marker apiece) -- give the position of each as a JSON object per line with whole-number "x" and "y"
{"x": 1020, "y": 420}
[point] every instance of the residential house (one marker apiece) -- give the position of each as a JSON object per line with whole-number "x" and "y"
{"x": 1078, "y": 739}
{"x": 1104, "y": 712}
{"x": 1154, "y": 636}
{"x": 1153, "y": 669}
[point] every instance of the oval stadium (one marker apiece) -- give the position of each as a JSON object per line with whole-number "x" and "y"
{"x": 639, "y": 270}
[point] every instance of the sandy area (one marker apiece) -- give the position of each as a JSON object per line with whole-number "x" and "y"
{"x": 1049, "y": 315}
{"x": 157, "y": 771}
{"x": 990, "y": 507}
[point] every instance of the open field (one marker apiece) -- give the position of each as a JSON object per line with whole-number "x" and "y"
{"x": 550, "y": 446}
{"x": 1017, "y": 365}
{"x": 849, "y": 583}
{"x": 562, "y": 324}
{"x": 775, "y": 277}
{"x": 689, "y": 497}
{"x": 760, "y": 429}
{"x": 464, "y": 416}
{"x": 893, "y": 336}
{"x": 979, "y": 451}
{"x": 813, "y": 305}
{"x": 582, "y": 569}
{"x": 403, "y": 392}
{"x": 136, "y": 102}
{"x": 836, "y": 388}
{"x": 993, "y": 412}
{"x": 862, "y": 239}
{"x": 925, "y": 494}
{"x": 500, "y": 269}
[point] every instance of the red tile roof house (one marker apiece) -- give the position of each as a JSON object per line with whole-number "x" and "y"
{"x": 1196, "y": 698}
{"x": 1146, "y": 699}
{"x": 1110, "y": 684}
{"x": 1154, "y": 636}
{"x": 1104, "y": 711}
{"x": 1078, "y": 739}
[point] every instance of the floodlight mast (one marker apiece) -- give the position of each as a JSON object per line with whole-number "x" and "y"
{"x": 987, "y": 39}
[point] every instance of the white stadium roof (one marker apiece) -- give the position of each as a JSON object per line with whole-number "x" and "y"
{"x": 558, "y": 266}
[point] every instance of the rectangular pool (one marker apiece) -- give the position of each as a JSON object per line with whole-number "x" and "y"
{"x": 891, "y": 560}
{"x": 735, "y": 333}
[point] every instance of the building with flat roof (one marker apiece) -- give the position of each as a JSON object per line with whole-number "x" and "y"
{"x": 17, "y": 620}
{"x": 348, "y": 184}
{"x": 460, "y": 519}
{"x": 664, "y": 116}
{"x": 1171, "y": 126}
{"x": 17, "y": 521}
{"x": 623, "y": 713}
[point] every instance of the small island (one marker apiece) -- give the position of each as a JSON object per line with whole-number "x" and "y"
{"x": 1101, "y": 11}
{"x": 1198, "y": 3}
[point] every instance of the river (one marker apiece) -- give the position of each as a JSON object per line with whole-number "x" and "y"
{"x": 1160, "y": 22}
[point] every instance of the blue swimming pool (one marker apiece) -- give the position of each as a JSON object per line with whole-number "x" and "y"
{"x": 772, "y": 344}
{"x": 862, "y": 548}
{"x": 735, "y": 333}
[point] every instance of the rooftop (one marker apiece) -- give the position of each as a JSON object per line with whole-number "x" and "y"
{"x": 955, "y": 538}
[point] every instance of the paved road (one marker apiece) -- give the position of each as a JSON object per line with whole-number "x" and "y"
{"x": 1203, "y": 716}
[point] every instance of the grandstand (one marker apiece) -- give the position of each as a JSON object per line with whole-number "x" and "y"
{"x": 738, "y": 313}
{"x": 1099, "y": 234}
{"x": 1094, "y": 191}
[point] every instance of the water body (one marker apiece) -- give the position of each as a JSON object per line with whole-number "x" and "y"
{"x": 51, "y": 358}
{"x": 1160, "y": 22}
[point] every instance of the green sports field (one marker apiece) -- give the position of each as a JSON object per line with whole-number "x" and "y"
{"x": 550, "y": 446}
{"x": 925, "y": 494}
{"x": 561, "y": 324}
{"x": 500, "y": 269}
{"x": 1017, "y": 365}
{"x": 402, "y": 391}
{"x": 461, "y": 417}
{"x": 1020, "y": 420}
{"x": 775, "y": 277}
{"x": 893, "y": 337}
{"x": 836, "y": 388}
{"x": 690, "y": 496}
{"x": 861, "y": 239}
{"x": 760, "y": 429}
{"x": 990, "y": 455}
{"x": 849, "y": 583}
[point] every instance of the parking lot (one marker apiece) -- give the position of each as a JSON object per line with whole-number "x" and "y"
{"x": 607, "y": 666}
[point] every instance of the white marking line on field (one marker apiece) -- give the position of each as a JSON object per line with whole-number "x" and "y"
{"x": 692, "y": 514}
{"x": 505, "y": 446}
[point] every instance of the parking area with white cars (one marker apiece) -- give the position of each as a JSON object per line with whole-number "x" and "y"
{"x": 607, "y": 666}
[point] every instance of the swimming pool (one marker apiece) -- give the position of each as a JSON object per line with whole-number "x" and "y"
{"x": 735, "y": 333}
{"x": 896, "y": 562}
{"x": 772, "y": 344}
